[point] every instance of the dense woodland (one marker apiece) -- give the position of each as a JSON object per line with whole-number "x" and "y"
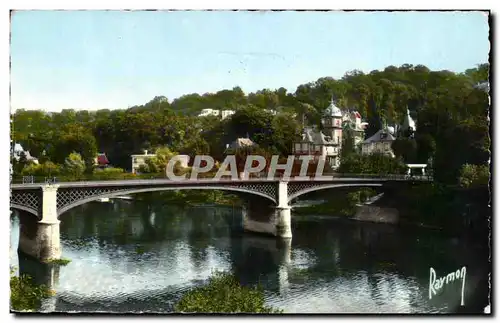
{"x": 450, "y": 111}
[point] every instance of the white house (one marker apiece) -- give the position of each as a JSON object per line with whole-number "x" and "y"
{"x": 140, "y": 159}
{"x": 380, "y": 142}
{"x": 18, "y": 152}
{"x": 212, "y": 112}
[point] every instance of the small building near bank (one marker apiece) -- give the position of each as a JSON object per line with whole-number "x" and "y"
{"x": 380, "y": 142}
{"x": 101, "y": 161}
{"x": 140, "y": 159}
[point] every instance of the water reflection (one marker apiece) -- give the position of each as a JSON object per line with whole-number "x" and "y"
{"x": 135, "y": 257}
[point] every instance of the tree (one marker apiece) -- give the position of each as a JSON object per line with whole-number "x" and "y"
{"x": 74, "y": 165}
{"x": 405, "y": 148}
{"x": 74, "y": 138}
{"x": 474, "y": 175}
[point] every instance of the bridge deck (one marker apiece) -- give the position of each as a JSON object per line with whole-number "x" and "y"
{"x": 222, "y": 182}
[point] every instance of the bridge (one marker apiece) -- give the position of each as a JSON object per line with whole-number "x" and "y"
{"x": 40, "y": 237}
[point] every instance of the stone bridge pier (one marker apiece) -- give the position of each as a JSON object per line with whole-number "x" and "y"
{"x": 262, "y": 216}
{"x": 39, "y": 237}
{"x": 42, "y": 274}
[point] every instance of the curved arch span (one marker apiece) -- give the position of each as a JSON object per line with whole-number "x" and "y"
{"x": 324, "y": 187}
{"x": 24, "y": 208}
{"x": 156, "y": 189}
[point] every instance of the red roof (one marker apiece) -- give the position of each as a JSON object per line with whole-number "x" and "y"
{"x": 102, "y": 159}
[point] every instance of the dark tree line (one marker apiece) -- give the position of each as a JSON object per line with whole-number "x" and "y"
{"x": 450, "y": 111}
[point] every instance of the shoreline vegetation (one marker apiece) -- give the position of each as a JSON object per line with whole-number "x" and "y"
{"x": 25, "y": 294}
{"x": 224, "y": 294}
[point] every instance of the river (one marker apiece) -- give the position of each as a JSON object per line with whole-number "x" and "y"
{"x": 128, "y": 256}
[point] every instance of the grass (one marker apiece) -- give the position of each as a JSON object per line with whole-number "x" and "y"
{"x": 60, "y": 262}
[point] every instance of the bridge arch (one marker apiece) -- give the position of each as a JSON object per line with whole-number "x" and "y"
{"x": 157, "y": 189}
{"x": 24, "y": 208}
{"x": 298, "y": 193}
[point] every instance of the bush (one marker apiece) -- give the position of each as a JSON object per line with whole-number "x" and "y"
{"x": 224, "y": 294}
{"x": 46, "y": 169}
{"x": 371, "y": 164}
{"x": 74, "y": 165}
{"x": 474, "y": 175}
{"x": 25, "y": 295}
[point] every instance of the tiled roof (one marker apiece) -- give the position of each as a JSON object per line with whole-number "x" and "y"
{"x": 241, "y": 142}
{"x": 380, "y": 136}
{"x": 102, "y": 159}
{"x": 312, "y": 135}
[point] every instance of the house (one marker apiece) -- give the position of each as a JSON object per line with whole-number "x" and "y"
{"x": 101, "y": 160}
{"x": 380, "y": 142}
{"x": 139, "y": 160}
{"x": 18, "y": 151}
{"x": 226, "y": 113}
{"x": 324, "y": 145}
{"x": 240, "y": 143}
{"x": 212, "y": 112}
{"x": 409, "y": 126}
{"x": 484, "y": 86}
{"x": 352, "y": 123}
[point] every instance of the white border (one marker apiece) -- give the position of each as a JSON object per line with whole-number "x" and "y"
{"x": 150, "y": 4}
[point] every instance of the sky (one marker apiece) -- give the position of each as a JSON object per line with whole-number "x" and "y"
{"x": 90, "y": 60}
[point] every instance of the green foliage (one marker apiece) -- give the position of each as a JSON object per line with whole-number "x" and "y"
{"x": 74, "y": 165}
{"x": 474, "y": 175}
{"x": 61, "y": 262}
{"x": 224, "y": 294}
{"x": 405, "y": 148}
{"x": 109, "y": 170}
{"x": 46, "y": 169}
{"x": 25, "y": 295}
{"x": 371, "y": 164}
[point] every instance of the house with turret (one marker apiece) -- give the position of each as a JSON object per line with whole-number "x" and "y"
{"x": 324, "y": 144}
{"x": 381, "y": 141}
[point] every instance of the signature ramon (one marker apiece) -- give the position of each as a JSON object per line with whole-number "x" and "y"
{"x": 436, "y": 284}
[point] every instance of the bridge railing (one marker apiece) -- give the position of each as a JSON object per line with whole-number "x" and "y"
{"x": 31, "y": 179}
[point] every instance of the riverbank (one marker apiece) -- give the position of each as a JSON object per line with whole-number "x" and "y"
{"x": 192, "y": 198}
{"x": 449, "y": 209}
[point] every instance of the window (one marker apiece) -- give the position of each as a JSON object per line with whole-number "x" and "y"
{"x": 297, "y": 148}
